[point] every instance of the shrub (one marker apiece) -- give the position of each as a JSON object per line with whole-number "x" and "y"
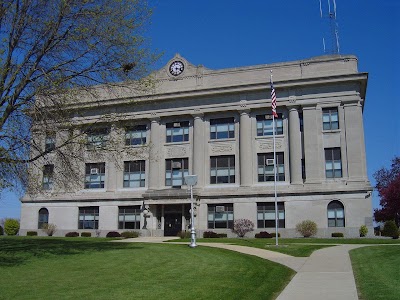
{"x": 390, "y": 229}
{"x": 222, "y": 235}
{"x": 184, "y": 234}
{"x": 274, "y": 234}
{"x": 86, "y": 234}
{"x": 337, "y": 234}
{"x": 72, "y": 234}
{"x": 130, "y": 234}
{"x": 49, "y": 229}
{"x": 209, "y": 234}
{"x": 1, "y": 230}
{"x": 113, "y": 234}
{"x": 263, "y": 235}
{"x": 307, "y": 228}
{"x": 363, "y": 230}
{"x": 11, "y": 226}
{"x": 242, "y": 226}
{"x": 31, "y": 233}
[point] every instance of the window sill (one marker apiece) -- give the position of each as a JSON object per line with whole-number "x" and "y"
{"x": 222, "y": 185}
{"x": 177, "y": 143}
{"x": 261, "y": 137}
{"x": 222, "y": 140}
{"x": 136, "y": 146}
{"x": 93, "y": 190}
{"x": 331, "y": 131}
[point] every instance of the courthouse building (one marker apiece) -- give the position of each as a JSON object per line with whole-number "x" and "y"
{"x": 217, "y": 124}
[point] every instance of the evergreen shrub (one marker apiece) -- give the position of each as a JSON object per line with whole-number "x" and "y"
{"x": 263, "y": 235}
{"x": 11, "y": 226}
{"x": 113, "y": 234}
{"x": 72, "y": 234}
{"x": 130, "y": 234}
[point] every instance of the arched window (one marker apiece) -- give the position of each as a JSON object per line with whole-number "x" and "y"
{"x": 336, "y": 214}
{"x": 43, "y": 217}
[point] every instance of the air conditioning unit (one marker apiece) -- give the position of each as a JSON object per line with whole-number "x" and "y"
{"x": 269, "y": 161}
{"x": 268, "y": 117}
{"x": 94, "y": 171}
{"x": 220, "y": 208}
{"x": 177, "y": 125}
{"x": 176, "y": 165}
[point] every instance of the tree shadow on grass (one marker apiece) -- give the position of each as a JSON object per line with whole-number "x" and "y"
{"x": 16, "y": 251}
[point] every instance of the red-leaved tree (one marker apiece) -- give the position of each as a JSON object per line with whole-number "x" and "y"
{"x": 388, "y": 186}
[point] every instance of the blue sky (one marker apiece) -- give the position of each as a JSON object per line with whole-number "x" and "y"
{"x": 231, "y": 33}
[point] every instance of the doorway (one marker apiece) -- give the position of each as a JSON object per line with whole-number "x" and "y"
{"x": 172, "y": 224}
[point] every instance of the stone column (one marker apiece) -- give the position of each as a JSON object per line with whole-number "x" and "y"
{"x": 154, "y": 154}
{"x": 245, "y": 154}
{"x": 294, "y": 146}
{"x": 199, "y": 150}
{"x": 355, "y": 142}
{"x": 313, "y": 147}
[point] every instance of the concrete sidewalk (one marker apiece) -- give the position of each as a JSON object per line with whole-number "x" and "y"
{"x": 327, "y": 274}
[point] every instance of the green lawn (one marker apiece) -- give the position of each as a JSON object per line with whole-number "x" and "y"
{"x": 377, "y": 272}
{"x": 91, "y": 268}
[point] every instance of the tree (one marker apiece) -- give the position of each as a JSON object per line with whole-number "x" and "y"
{"x": 242, "y": 226}
{"x": 388, "y": 187}
{"x": 53, "y": 52}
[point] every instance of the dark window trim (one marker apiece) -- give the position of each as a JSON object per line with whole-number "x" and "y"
{"x": 280, "y": 164}
{"x": 90, "y": 217}
{"x": 223, "y": 224}
{"x": 129, "y": 169}
{"x": 269, "y": 207}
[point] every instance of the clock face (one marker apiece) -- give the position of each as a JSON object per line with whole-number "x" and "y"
{"x": 176, "y": 68}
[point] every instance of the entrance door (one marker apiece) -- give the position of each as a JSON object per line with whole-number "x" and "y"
{"x": 172, "y": 224}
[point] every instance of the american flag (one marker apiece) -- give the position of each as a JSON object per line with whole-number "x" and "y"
{"x": 273, "y": 99}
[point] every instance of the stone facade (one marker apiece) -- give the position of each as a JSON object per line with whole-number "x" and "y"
{"x": 216, "y": 124}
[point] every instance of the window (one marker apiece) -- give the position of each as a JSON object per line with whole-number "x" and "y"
{"x": 95, "y": 175}
{"x": 266, "y": 215}
{"x": 175, "y": 171}
{"x": 97, "y": 138}
{"x": 177, "y": 132}
{"x": 129, "y": 217}
{"x": 222, "y": 128}
{"x": 43, "y": 217}
{"x": 335, "y": 214}
{"x": 264, "y": 125}
{"x": 333, "y": 163}
{"x": 220, "y": 216}
{"x": 266, "y": 167}
{"x": 50, "y": 142}
{"x": 136, "y": 135}
{"x": 48, "y": 172}
{"x": 88, "y": 217}
{"x": 330, "y": 119}
{"x": 222, "y": 169}
{"x": 134, "y": 174}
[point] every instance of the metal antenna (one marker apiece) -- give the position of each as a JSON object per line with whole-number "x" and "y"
{"x": 330, "y": 26}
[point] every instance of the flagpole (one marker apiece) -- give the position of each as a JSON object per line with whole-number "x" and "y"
{"x": 273, "y": 136}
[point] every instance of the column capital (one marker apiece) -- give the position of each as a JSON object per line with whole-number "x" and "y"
{"x": 197, "y": 115}
{"x": 292, "y": 107}
{"x": 154, "y": 119}
{"x": 244, "y": 111}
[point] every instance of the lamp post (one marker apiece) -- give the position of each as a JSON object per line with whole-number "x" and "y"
{"x": 191, "y": 180}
